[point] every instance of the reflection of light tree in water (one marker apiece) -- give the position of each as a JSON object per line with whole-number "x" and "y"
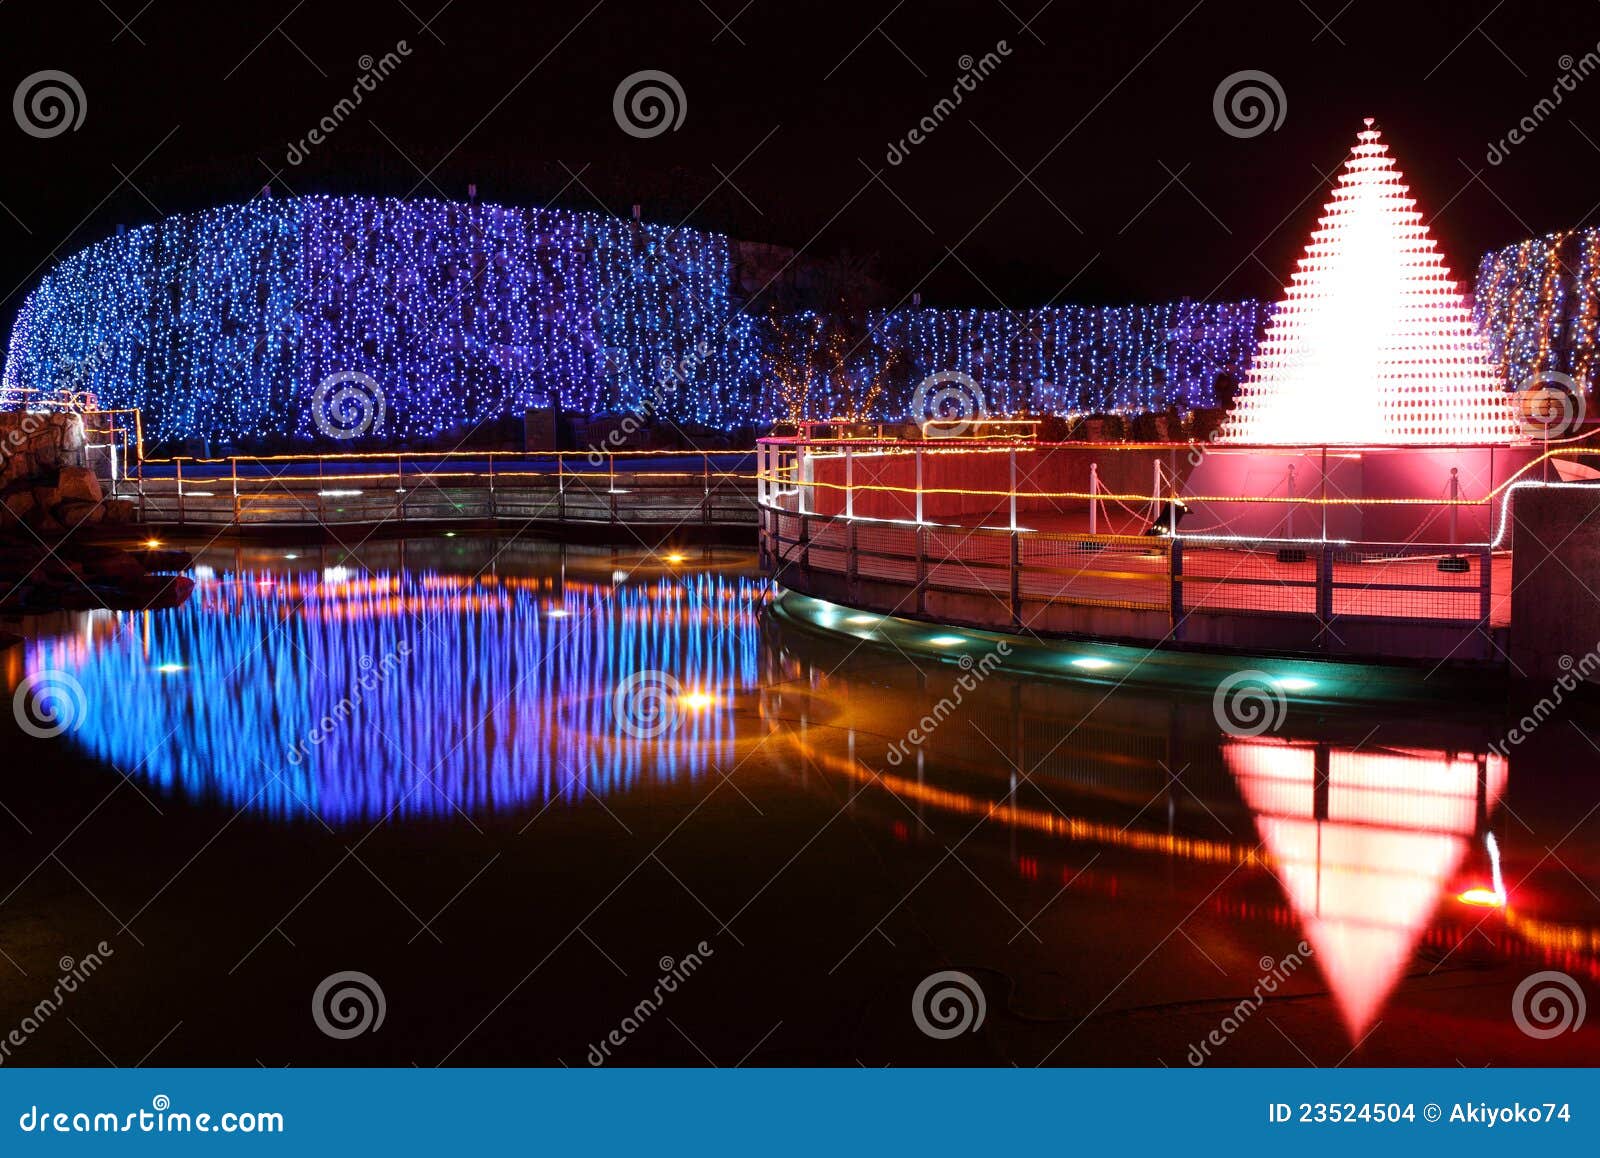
{"x": 358, "y": 698}
{"x": 1364, "y": 861}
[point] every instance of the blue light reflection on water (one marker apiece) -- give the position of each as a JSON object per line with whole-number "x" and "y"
{"x": 428, "y": 693}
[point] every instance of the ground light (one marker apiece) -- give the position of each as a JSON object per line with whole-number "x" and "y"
{"x": 696, "y": 701}
{"x": 1091, "y": 663}
{"x": 169, "y": 668}
{"x": 1294, "y": 683}
{"x": 946, "y": 640}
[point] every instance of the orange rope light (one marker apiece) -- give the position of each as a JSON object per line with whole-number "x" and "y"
{"x": 1307, "y": 500}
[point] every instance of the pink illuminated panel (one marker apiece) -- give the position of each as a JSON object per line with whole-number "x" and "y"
{"x": 1372, "y": 342}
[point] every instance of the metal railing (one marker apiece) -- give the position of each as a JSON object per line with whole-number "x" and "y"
{"x": 883, "y": 547}
{"x": 659, "y": 488}
{"x": 1141, "y": 588}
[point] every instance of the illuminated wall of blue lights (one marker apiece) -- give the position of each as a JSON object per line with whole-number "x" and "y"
{"x": 222, "y": 323}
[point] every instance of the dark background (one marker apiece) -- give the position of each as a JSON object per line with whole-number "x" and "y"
{"x": 191, "y": 105}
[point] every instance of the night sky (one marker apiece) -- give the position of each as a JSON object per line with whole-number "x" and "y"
{"x": 1088, "y": 166}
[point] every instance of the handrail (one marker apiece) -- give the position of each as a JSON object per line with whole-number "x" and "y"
{"x": 785, "y": 475}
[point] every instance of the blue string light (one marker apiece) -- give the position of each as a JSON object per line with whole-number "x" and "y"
{"x": 221, "y": 324}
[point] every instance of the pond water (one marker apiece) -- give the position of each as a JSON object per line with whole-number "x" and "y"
{"x": 517, "y": 786}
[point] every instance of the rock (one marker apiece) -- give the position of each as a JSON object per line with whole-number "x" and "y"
{"x": 19, "y": 503}
{"x": 78, "y": 512}
{"x": 76, "y": 482}
{"x": 45, "y": 497}
{"x": 121, "y": 510}
{"x": 19, "y": 464}
{"x": 107, "y": 564}
{"x": 149, "y": 593}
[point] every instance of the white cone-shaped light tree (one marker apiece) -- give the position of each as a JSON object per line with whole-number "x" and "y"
{"x": 1372, "y": 342}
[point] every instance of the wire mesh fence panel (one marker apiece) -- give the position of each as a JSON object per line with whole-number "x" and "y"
{"x": 886, "y": 551}
{"x": 828, "y": 533}
{"x": 962, "y": 560}
{"x": 1098, "y": 572}
{"x": 831, "y": 559}
{"x": 524, "y": 503}
{"x": 1421, "y": 585}
{"x": 428, "y": 502}
{"x": 1249, "y": 577}
{"x": 828, "y": 545}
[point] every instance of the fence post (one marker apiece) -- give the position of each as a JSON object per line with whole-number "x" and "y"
{"x": 1094, "y": 491}
{"x": 1485, "y": 578}
{"x": 1323, "y": 494}
{"x": 705, "y": 502}
{"x": 179, "y": 464}
{"x": 235, "y": 462}
{"x": 922, "y": 568}
{"x": 918, "y": 455}
{"x": 852, "y": 566}
{"x": 1016, "y": 579}
{"x": 1324, "y": 591}
{"x": 849, "y": 483}
{"x": 1455, "y": 511}
{"x": 491, "y": 485}
{"x": 1013, "y": 457}
{"x": 1175, "y": 585}
{"x": 611, "y": 484}
{"x": 561, "y": 488}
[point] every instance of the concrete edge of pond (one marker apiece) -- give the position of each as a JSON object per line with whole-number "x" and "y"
{"x": 1291, "y": 678}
